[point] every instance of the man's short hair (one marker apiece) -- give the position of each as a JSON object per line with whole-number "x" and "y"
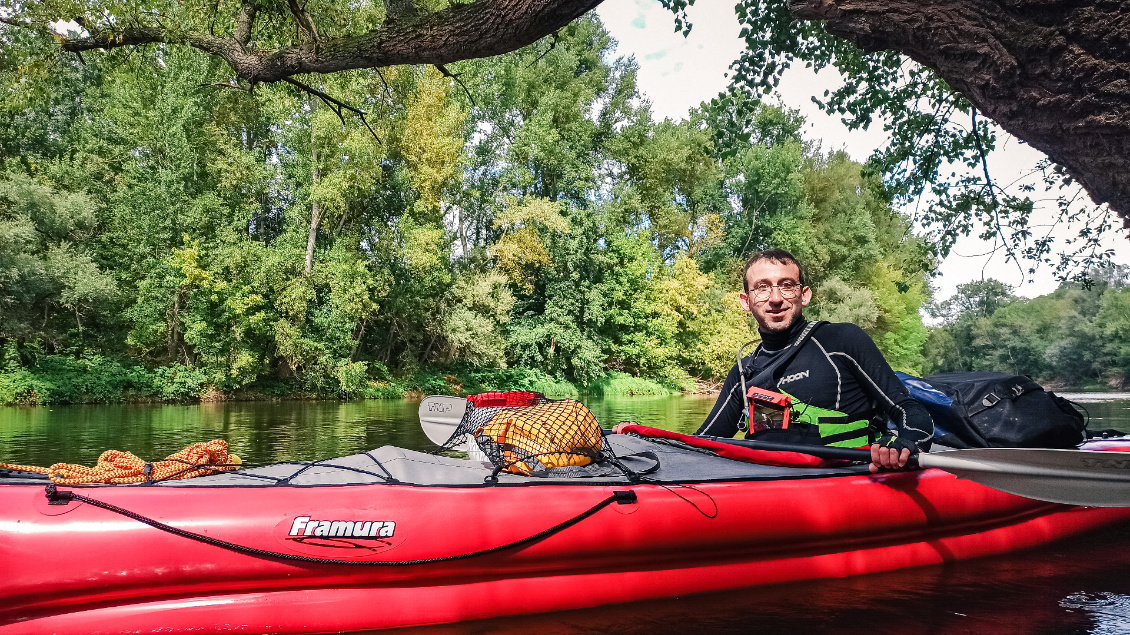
{"x": 776, "y": 255}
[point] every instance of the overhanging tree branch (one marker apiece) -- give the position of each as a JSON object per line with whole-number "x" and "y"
{"x": 461, "y": 31}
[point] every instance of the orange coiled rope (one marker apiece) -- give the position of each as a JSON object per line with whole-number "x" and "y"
{"x": 116, "y": 467}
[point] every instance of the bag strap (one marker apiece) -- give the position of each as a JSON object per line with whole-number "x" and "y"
{"x": 777, "y": 364}
{"x": 784, "y": 359}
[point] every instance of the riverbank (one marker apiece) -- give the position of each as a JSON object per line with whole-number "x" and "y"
{"x": 59, "y": 379}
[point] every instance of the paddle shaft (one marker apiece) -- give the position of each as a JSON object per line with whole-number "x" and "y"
{"x": 1071, "y": 477}
{"x": 822, "y": 451}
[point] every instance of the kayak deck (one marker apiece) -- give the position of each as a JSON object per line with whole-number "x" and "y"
{"x": 394, "y": 465}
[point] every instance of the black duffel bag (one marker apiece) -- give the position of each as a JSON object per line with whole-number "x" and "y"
{"x": 996, "y": 410}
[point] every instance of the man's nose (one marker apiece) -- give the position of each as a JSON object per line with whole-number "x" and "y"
{"x": 775, "y": 294}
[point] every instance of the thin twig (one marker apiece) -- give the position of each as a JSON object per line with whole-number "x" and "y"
{"x": 447, "y": 73}
{"x": 388, "y": 91}
{"x": 335, "y": 105}
{"x": 552, "y": 45}
{"x": 212, "y": 22}
{"x": 226, "y": 85}
{"x": 992, "y": 191}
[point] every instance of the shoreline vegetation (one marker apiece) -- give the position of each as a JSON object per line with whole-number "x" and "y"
{"x": 61, "y": 380}
{"x": 64, "y": 380}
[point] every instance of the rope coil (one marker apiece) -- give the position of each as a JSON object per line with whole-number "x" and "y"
{"x": 118, "y": 467}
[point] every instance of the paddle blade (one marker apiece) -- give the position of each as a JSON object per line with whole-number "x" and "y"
{"x": 440, "y": 415}
{"x": 1071, "y": 477}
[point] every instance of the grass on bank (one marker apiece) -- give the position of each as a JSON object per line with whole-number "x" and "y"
{"x": 59, "y": 379}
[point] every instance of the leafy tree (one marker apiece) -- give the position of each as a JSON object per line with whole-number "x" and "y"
{"x": 531, "y": 214}
{"x": 953, "y": 72}
{"x": 1072, "y": 335}
{"x": 51, "y": 289}
{"x": 979, "y": 298}
{"x": 1112, "y": 325}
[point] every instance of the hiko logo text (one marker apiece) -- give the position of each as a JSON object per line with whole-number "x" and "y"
{"x": 791, "y": 378}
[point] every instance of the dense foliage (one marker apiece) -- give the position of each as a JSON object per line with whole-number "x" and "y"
{"x": 529, "y": 226}
{"x": 1077, "y": 336}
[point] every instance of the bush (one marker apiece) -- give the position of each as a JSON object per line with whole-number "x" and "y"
{"x": 622, "y": 384}
{"x": 59, "y": 379}
{"x": 178, "y": 383}
{"x": 22, "y": 388}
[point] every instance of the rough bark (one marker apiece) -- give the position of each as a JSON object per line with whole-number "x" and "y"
{"x": 462, "y": 31}
{"x": 1054, "y": 73}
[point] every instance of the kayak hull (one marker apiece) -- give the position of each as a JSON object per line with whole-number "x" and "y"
{"x": 78, "y": 568}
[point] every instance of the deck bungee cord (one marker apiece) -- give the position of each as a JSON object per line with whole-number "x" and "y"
{"x": 56, "y": 497}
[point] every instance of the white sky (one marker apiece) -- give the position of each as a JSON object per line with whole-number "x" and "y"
{"x": 678, "y": 73}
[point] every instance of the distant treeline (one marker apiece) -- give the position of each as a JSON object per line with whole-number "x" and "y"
{"x": 529, "y": 225}
{"x": 1077, "y": 337}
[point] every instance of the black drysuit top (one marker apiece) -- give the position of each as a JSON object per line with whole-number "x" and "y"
{"x": 838, "y": 368}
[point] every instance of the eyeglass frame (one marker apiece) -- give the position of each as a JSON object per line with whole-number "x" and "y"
{"x": 792, "y": 295}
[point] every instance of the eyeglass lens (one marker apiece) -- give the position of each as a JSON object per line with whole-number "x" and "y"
{"x": 788, "y": 290}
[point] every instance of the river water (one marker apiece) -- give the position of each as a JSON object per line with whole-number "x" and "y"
{"x": 1076, "y": 586}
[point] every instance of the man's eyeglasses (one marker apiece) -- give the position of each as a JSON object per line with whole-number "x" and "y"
{"x": 763, "y": 290}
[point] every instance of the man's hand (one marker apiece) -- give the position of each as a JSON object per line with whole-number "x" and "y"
{"x": 890, "y": 453}
{"x": 619, "y": 427}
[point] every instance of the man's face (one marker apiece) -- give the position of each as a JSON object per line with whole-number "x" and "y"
{"x": 775, "y": 312}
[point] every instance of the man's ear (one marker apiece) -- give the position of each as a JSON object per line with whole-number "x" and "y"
{"x": 805, "y": 296}
{"x": 744, "y": 299}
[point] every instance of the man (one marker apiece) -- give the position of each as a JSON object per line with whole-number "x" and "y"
{"x": 838, "y": 373}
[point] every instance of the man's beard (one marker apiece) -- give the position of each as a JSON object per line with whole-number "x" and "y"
{"x": 780, "y": 327}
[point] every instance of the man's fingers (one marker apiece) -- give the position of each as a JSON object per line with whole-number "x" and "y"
{"x": 904, "y": 457}
{"x": 888, "y": 458}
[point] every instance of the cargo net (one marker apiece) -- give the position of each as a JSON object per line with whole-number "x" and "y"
{"x": 525, "y": 433}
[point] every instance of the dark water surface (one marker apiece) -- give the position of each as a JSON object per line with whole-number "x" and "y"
{"x": 1077, "y": 586}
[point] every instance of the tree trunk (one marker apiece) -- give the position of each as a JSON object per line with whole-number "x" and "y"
{"x": 462, "y": 230}
{"x": 172, "y": 326}
{"x": 315, "y": 209}
{"x": 1054, "y": 73}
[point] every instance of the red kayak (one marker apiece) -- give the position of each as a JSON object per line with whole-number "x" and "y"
{"x": 394, "y": 538}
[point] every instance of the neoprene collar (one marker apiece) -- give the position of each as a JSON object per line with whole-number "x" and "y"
{"x": 777, "y": 340}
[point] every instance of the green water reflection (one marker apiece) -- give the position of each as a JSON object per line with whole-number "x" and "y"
{"x": 268, "y": 432}
{"x": 263, "y": 432}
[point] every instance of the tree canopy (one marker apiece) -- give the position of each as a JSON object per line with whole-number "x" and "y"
{"x": 1075, "y": 336}
{"x": 535, "y": 224}
{"x": 1053, "y": 74}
